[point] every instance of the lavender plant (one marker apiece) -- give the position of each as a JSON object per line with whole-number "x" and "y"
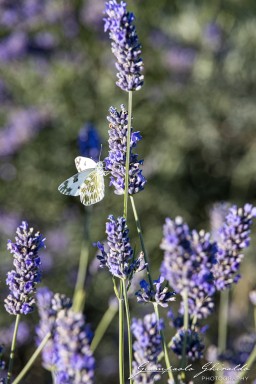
{"x": 234, "y": 238}
{"x": 189, "y": 257}
{"x": 147, "y": 346}
{"x": 125, "y": 45}
{"x": 23, "y": 280}
{"x": 72, "y": 339}
{"x": 196, "y": 264}
{"x": 49, "y": 304}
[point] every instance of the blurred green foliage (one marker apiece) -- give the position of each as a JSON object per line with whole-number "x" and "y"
{"x": 196, "y": 112}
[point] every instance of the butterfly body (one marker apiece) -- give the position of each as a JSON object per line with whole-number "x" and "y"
{"x": 88, "y": 183}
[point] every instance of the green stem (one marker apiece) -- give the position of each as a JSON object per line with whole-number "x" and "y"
{"x": 32, "y": 359}
{"x": 53, "y": 377}
{"x": 13, "y": 347}
{"x": 121, "y": 336}
{"x": 223, "y": 320}
{"x": 166, "y": 356}
{"x": 254, "y": 317}
{"x": 248, "y": 365}
{"x": 186, "y": 314}
{"x": 139, "y": 230}
{"x": 185, "y": 326}
{"x": 127, "y": 164}
{"x": 79, "y": 294}
{"x": 103, "y": 325}
{"x": 128, "y": 318}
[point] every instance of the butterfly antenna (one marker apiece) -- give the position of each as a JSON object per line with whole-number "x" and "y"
{"x": 100, "y": 152}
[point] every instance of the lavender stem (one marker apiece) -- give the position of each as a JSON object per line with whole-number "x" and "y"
{"x": 103, "y": 325}
{"x": 126, "y": 193}
{"x": 223, "y": 320}
{"x": 121, "y": 336}
{"x": 139, "y": 230}
{"x": 32, "y": 358}
{"x": 127, "y": 164}
{"x": 186, "y": 326}
{"x": 13, "y": 347}
{"x": 128, "y": 318}
{"x": 165, "y": 350}
{"x": 79, "y": 294}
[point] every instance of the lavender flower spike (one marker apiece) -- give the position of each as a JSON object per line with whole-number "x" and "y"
{"x": 147, "y": 346}
{"x": 194, "y": 344}
{"x": 49, "y": 304}
{"x": 116, "y": 160}
{"x": 234, "y": 237}
{"x": 119, "y": 257}
{"x": 189, "y": 257}
{"x": 160, "y": 295}
{"x": 23, "y": 280}
{"x": 75, "y": 362}
{"x": 125, "y": 45}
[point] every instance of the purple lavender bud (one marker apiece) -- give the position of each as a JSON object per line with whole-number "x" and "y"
{"x": 234, "y": 238}
{"x": 118, "y": 258}
{"x": 23, "y": 280}
{"x": 194, "y": 344}
{"x": 49, "y": 304}
{"x": 75, "y": 362}
{"x": 147, "y": 346}
{"x": 89, "y": 142}
{"x": 160, "y": 295}
{"x": 116, "y": 160}
{"x": 125, "y": 45}
{"x": 188, "y": 261}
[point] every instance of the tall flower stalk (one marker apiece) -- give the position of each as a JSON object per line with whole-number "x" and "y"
{"x": 127, "y": 50}
{"x": 233, "y": 237}
{"x": 127, "y": 165}
{"x": 23, "y": 280}
{"x": 119, "y": 259}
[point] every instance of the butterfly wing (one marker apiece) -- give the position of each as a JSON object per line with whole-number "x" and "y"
{"x": 92, "y": 190}
{"x": 72, "y": 186}
{"x": 84, "y": 163}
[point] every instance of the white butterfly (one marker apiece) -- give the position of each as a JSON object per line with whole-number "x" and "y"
{"x": 88, "y": 183}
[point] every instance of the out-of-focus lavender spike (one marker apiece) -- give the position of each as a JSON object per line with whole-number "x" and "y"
{"x": 234, "y": 238}
{"x": 49, "y": 304}
{"x": 189, "y": 257}
{"x": 89, "y": 142}
{"x": 23, "y": 335}
{"x": 75, "y": 362}
{"x": 147, "y": 346}
{"x": 22, "y": 126}
{"x": 194, "y": 344}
